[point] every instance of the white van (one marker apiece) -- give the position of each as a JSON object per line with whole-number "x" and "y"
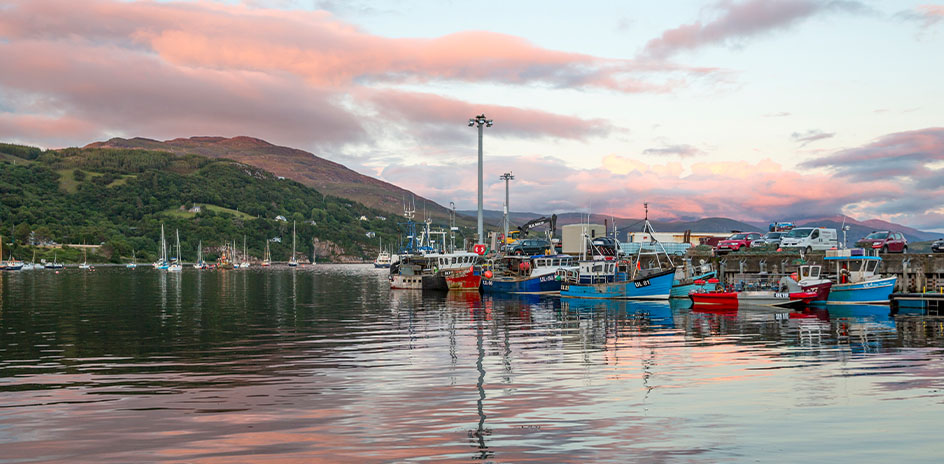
{"x": 810, "y": 238}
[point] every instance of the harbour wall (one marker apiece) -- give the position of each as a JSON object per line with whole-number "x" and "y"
{"x": 915, "y": 272}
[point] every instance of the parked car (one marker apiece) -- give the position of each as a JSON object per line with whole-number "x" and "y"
{"x": 885, "y": 241}
{"x": 810, "y": 238}
{"x": 770, "y": 238}
{"x": 938, "y": 246}
{"x": 529, "y": 246}
{"x": 737, "y": 241}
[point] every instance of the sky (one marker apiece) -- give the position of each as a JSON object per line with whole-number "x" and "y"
{"x": 749, "y": 109}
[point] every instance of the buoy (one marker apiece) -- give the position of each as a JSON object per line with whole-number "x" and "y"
{"x": 713, "y": 281}
{"x": 488, "y": 274}
{"x": 699, "y": 282}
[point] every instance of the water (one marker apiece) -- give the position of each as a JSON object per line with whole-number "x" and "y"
{"x": 327, "y": 364}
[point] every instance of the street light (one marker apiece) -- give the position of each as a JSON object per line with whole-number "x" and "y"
{"x": 480, "y": 121}
{"x": 506, "y": 177}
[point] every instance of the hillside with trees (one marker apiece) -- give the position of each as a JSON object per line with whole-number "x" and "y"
{"x": 119, "y": 198}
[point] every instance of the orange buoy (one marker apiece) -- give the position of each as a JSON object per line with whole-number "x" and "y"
{"x": 488, "y": 274}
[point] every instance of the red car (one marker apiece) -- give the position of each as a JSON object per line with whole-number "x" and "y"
{"x": 885, "y": 241}
{"x": 737, "y": 241}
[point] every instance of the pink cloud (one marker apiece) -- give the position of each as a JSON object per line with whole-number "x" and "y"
{"x": 318, "y": 47}
{"x": 749, "y": 191}
{"x": 302, "y": 78}
{"x": 446, "y": 116}
{"x": 740, "y": 20}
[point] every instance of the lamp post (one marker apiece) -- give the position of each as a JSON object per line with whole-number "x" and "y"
{"x": 482, "y": 122}
{"x": 506, "y": 177}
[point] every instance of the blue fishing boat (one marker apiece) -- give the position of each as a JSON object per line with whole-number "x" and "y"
{"x": 612, "y": 277}
{"x": 525, "y": 274}
{"x": 857, "y": 280}
{"x": 689, "y": 278}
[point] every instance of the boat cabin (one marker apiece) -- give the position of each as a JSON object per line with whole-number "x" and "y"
{"x": 851, "y": 269}
{"x": 455, "y": 261}
{"x": 532, "y": 266}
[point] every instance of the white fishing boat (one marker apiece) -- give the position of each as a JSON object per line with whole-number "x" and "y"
{"x": 292, "y": 262}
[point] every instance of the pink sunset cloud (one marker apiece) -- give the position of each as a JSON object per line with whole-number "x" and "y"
{"x": 739, "y": 20}
{"x": 749, "y": 191}
{"x": 301, "y": 78}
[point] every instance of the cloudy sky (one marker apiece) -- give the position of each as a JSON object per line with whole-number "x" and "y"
{"x": 758, "y": 110}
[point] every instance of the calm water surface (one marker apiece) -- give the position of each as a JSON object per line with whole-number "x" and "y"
{"x": 326, "y": 364}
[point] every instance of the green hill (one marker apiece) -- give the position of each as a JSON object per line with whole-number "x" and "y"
{"x": 120, "y": 197}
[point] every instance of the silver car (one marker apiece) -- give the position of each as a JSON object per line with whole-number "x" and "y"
{"x": 770, "y": 238}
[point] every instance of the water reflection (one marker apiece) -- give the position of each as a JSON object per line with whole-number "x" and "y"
{"x": 325, "y": 363}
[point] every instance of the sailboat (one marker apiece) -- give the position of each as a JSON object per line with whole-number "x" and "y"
{"x": 245, "y": 262}
{"x": 267, "y": 259}
{"x": 85, "y": 264}
{"x": 200, "y": 264}
{"x": 292, "y": 262}
{"x": 161, "y": 262}
{"x": 54, "y": 264}
{"x": 32, "y": 265}
{"x": 12, "y": 264}
{"x": 175, "y": 264}
{"x": 134, "y": 262}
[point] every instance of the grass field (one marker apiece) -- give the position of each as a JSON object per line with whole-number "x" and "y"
{"x": 216, "y": 209}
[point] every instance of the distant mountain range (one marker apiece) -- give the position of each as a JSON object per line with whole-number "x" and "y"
{"x": 857, "y": 229}
{"x": 337, "y": 180}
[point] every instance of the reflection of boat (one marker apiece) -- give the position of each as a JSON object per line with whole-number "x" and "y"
{"x": 657, "y": 312}
{"x": 862, "y": 312}
{"x": 525, "y": 274}
{"x": 857, "y": 280}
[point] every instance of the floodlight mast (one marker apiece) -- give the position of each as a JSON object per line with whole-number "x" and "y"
{"x": 481, "y": 121}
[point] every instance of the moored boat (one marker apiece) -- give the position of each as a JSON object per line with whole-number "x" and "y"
{"x": 753, "y": 298}
{"x": 526, "y": 274}
{"x": 460, "y": 270}
{"x": 857, "y": 279}
{"x": 416, "y": 272}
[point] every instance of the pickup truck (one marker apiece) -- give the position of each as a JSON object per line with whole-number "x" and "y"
{"x": 737, "y": 241}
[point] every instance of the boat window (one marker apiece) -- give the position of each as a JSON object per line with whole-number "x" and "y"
{"x": 597, "y": 268}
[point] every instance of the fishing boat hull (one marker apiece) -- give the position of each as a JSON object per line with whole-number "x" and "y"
{"x": 539, "y": 284}
{"x": 681, "y": 289}
{"x": 465, "y": 279}
{"x": 759, "y": 298}
{"x": 654, "y": 287}
{"x": 875, "y": 291}
{"x": 821, "y": 290}
{"x": 418, "y": 282}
